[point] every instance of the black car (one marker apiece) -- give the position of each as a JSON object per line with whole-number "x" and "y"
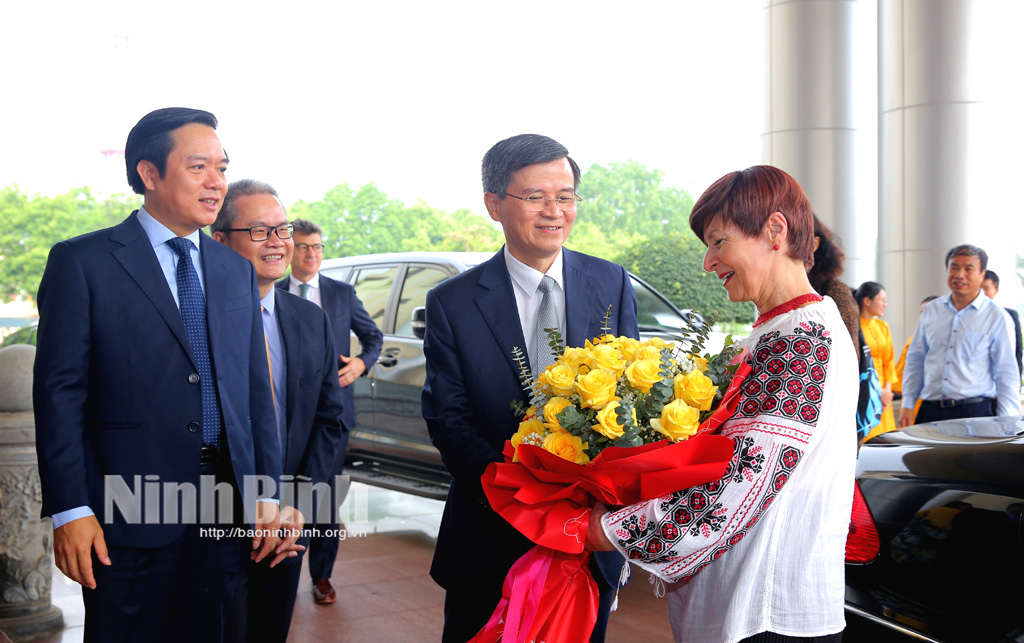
{"x": 390, "y": 446}
{"x": 935, "y": 551}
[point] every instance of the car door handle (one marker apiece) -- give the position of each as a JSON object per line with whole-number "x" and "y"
{"x": 389, "y": 358}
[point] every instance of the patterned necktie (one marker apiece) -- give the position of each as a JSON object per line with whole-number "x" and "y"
{"x": 193, "y": 313}
{"x": 270, "y": 366}
{"x": 547, "y": 317}
{"x": 304, "y": 291}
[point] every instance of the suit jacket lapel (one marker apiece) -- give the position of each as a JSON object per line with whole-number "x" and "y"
{"x": 213, "y": 271}
{"x": 137, "y": 257}
{"x": 584, "y": 311}
{"x": 497, "y": 305}
{"x": 292, "y": 336}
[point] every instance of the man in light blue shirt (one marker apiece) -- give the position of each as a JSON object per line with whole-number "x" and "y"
{"x": 961, "y": 361}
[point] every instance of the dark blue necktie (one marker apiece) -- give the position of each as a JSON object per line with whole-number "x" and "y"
{"x": 193, "y": 313}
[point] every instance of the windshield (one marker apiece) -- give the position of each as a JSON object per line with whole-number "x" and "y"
{"x": 652, "y": 310}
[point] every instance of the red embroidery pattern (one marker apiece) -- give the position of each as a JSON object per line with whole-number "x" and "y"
{"x": 788, "y": 375}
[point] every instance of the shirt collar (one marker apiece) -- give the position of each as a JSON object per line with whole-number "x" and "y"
{"x": 158, "y": 233}
{"x": 268, "y": 302}
{"x": 976, "y": 303}
{"x": 314, "y": 282}
{"x": 529, "y": 278}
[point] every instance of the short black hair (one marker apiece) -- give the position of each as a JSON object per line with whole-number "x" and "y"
{"x": 151, "y": 139}
{"x": 243, "y": 187}
{"x": 307, "y": 227}
{"x": 967, "y": 250}
{"x": 993, "y": 277}
{"x": 515, "y": 153}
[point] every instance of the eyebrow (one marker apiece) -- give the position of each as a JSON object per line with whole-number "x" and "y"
{"x": 202, "y": 157}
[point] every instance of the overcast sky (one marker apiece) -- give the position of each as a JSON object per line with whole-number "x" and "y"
{"x": 407, "y": 94}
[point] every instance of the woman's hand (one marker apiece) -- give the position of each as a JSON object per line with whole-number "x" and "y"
{"x": 886, "y": 397}
{"x": 596, "y": 538}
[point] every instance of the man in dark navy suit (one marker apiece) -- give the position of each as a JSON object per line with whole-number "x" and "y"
{"x": 990, "y": 286}
{"x": 474, "y": 320}
{"x": 151, "y": 365}
{"x": 347, "y": 315}
{"x": 307, "y": 397}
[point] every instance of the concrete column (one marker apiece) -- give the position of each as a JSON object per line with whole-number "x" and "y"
{"x": 947, "y": 170}
{"x": 811, "y": 130}
{"x": 25, "y": 539}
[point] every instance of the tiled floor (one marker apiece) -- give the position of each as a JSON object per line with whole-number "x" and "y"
{"x": 384, "y": 591}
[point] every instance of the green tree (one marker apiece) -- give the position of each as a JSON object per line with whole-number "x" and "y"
{"x": 32, "y": 224}
{"x": 628, "y": 197}
{"x": 673, "y": 264}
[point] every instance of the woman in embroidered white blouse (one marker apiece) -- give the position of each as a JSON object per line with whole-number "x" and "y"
{"x": 758, "y": 556}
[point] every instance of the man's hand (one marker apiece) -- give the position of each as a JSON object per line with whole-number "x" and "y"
{"x": 73, "y": 544}
{"x": 354, "y": 367}
{"x": 268, "y": 525}
{"x": 596, "y": 538}
{"x": 292, "y": 521}
{"x": 906, "y": 418}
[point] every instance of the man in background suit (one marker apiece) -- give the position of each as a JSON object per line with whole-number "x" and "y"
{"x": 990, "y": 286}
{"x": 151, "y": 365}
{"x": 474, "y": 320}
{"x": 347, "y": 315}
{"x": 307, "y": 397}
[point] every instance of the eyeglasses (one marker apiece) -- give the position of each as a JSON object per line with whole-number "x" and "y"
{"x": 303, "y": 248}
{"x": 536, "y": 202}
{"x": 262, "y": 232}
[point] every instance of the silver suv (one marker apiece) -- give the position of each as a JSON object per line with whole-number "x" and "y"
{"x": 390, "y": 446}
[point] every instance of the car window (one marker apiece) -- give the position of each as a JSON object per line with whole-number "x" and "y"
{"x": 373, "y": 286}
{"x": 418, "y": 280}
{"x": 653, "y": 311}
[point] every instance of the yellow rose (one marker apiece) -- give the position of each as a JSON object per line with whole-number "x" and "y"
{"x": 702, "y": 363}
{"x": 627, "y": 346}
{"x": 609, "y": 358}
{"x": 659, "y": 343}
{"x": 648, "y": 352}
{"x": 531, "y": 431}
{"x": 574, "y": 356}
{"x": 643, "y": 374}
{"x": 551, "y": 410}
{"x": 597, "y": 388}
{"x": 566, "y": 446}
{"x": 678, "y": 421}
{"x": 608, "y": 422}
{"x": 696, "y": 389}
{"x": 559, "y": 378}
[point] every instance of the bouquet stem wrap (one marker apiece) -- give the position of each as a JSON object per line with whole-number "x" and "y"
{"x": 549, "y": 594}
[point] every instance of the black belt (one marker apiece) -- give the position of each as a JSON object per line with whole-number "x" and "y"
{"x": 950, "y": 404}
{"x": 209, "y": 455}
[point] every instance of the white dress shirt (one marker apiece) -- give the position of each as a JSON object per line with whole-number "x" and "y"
{"x": 525, "y": 281}
{"x": 314, "y": 289}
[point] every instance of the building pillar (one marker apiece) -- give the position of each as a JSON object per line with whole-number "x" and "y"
{"x": 942, "y": 178}
{"x": 811, "y": 131}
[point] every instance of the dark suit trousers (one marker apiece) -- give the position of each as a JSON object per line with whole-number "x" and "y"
{"x": 272, "y": 598}
{"x": 190, "y": 590}
{"x": 467, "y": 609}
{"x": 933, "y": 412}
{"x": 323, "y": 549}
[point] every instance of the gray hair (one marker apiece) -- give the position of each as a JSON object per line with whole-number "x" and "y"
{"x": 243, "y": 187}
{"x": 513, "y": 154}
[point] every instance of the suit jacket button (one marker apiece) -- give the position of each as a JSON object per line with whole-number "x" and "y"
{"x": 193, "y": 378}
{"x": 193, "y": 427}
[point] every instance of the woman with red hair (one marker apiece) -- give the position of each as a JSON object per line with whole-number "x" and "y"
{"x": 758, "y": 556}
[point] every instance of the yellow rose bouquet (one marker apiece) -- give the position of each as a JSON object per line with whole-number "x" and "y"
{"x": 617, "y": 421}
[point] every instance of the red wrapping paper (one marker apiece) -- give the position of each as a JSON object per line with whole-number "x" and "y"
{"x": 549, "y": 594}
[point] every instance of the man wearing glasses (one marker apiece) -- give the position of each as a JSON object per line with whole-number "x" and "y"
{"x": 306, "y": 396}
{"x": 347, "y": 315}
{"x": 474, "y": 320}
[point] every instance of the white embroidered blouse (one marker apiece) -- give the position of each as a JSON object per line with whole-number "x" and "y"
{"x": 763, "y": 548}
